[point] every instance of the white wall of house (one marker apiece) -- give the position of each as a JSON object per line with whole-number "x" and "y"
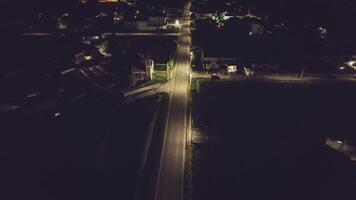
{"x": 149, "y": 65}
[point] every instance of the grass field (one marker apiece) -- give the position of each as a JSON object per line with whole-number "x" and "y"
{"x": 160, "y": 76}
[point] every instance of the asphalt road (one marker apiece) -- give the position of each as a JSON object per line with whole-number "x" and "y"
{"x": 109, "y": 34}
{"x": 141, "y": 34}
{"x": 171, "y": 174}
{"x": 283, "y": 78}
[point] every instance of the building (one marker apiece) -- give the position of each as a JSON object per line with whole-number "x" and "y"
{"x": 157, "y": 19}
{"x": 149, "y": 68}
{"x": 145, "y": 24}
{"x": 137, "y": 57}
{"x": 138, "y": 75}
{"x": 151, "y": 21}
{"x": 227, "y": 51}
{"x": 159, "y": 49}
{"x": 143, "y": 71}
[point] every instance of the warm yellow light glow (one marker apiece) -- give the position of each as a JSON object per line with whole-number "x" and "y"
{"x": 351, "y": 63}
{"x": 88, "y": 57}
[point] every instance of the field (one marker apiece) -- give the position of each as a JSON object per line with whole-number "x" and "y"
{"x": 92, "y": 150}
{"x": 266, "y": 141}
{"x": 160, "y": 76}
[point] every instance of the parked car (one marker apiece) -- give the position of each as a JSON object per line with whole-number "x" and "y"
{"x": 215, "y": 77}
{"x": 249, "y": 71}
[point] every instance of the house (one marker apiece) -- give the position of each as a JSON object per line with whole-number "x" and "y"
{"x": 147, "y": 22}
{"x": 143, "y": 71}
{"x": 227, "y": 51}
{"x": 135, "y": 58}
{"x": 57, "y": 52}
{"x": 160, "y": 21}
{"x": 142, "y": 25}
{"x": 149, "y": 68}
{"x": 86, "y": 55}
{"x": 159, "y": 49}
{"x": 157, "y": 19}
{"x": 255, "y": 24}
{"x": 212, "y": 56}
{"x": 138, "y": 74}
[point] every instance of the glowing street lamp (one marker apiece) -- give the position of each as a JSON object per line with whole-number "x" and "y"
{"x": 351, "y": 63}
{"x": 177, "y": 22}
{"x": 88, "y": 58}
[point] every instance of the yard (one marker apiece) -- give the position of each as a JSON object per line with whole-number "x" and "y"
{"x": 160, "y": 76}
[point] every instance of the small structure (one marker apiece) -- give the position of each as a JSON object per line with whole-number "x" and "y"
{"x": 143, "y": 71}
{"x": 231, "y": 69}
{"x": 157, "y": 20}
{"x": 226, "y": 51}
{"x": 138, "y": 74}
{"x": 248, "y": 71}
{"x": 154, "y": 22}
{"x": 149, "y": 68}
{"x": 159, "y": 50}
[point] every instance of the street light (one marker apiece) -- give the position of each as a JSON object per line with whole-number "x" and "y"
{"x": 177, "y": 22}
{"x": 351, "y": 63}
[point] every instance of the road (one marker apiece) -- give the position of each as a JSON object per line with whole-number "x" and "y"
{"x": 141, "y": 34}
{"x": 281, "y": 78}
{"x": 171, "y": 174}
{"x": 109, "y": 34}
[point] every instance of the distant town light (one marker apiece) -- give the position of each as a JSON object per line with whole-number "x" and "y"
{"x": 231, "y": 68}
{"x": 88, "y": 57}
{"x": 108, "y": 1}
{"x": 323, "y": 32}
{"x": 351, "y": 63}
